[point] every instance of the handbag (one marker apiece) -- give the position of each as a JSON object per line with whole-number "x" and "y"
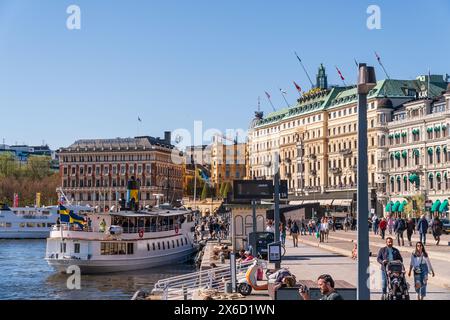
{"x": 418, "y": 270}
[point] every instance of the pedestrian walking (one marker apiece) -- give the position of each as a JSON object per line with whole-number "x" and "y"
{"x": 323, "y": 226}
{"x": 410, "y": 229}
{"x": 294, "y": 231}
{"x": 399, "y": 229}
{"x": 422, "y": 227}
{"x": 383, "y": 227}
{"x": 346, "y": 223}
{"x": 421, "y": 265}
{"x": 437, "y": 227}
{"x": 391, "y": 223}
{"x": 310, "y": 227}
{"x": 282, "y": 233}
{"x": 375, "y": 223}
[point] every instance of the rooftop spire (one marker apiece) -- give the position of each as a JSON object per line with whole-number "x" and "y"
{"x": 322, "y": 79}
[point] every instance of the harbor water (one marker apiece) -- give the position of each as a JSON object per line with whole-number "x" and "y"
{"x": 26, "y": 275}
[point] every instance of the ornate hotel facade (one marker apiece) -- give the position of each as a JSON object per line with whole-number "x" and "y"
{"x": 96, "y": 172}
{"x": 418, "y": 154}
{"x": 316, "y": 140}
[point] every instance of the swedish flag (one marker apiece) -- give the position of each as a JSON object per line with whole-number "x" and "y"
{"x": 76, "y": 219}
{"x": 64, "y": 214}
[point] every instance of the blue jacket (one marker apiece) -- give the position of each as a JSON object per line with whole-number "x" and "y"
{"x": 422, "y": 226}
{"x": 399, "y": 227}
{"x": 383, "y": 255}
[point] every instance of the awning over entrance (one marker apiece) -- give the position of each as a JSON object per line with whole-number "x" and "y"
{"x": 326, "y": 202}
{"x": 436, "y": 205}
{"x": 444, "y": 206}
{"x": 342, "y": 202}
{"x": 402, "y": 205}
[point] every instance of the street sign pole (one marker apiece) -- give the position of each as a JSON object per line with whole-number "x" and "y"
{"x": 276, "y": 211}
{"x": 253, "y": 240}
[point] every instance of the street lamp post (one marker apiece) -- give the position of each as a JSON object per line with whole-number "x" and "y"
{"x": 366, "y": 82}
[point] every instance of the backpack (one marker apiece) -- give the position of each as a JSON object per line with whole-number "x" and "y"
{"x": 401, "y": 225}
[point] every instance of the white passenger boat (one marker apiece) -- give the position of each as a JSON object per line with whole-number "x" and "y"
{"x": 123, "y": 241}
{"x": 30, "y": 222}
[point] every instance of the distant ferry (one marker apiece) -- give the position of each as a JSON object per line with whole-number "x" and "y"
{"x": 30, "y": 222}
{"x": 130, "y": 239}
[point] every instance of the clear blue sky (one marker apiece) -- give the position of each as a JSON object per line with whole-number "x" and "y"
{"x": 173, "y": 62}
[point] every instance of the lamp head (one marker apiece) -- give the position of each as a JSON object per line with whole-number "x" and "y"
{"x": 366, "y": 79}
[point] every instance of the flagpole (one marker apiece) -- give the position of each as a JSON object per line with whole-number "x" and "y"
{"x": 270, "y": 101}
{"x": 382, "y": 66}
{"x": 285, "y": 100}
{"x": 304, "y": 69}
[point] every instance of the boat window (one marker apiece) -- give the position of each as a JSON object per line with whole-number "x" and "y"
{"x": 49, "y": 225}
{"x": 148, "y": 246}
{"x": 76, "y": 248}
{"x": 168, "y": 245}
{"x": 130, "y": 247}
{"x": 122, "y": 248}
{"x": 5, "y": 224}
{"x": 164, "y": 246}
{"x": 159, "y": 246}
{"x": 178, "y": 243}
{"x": 30, "y": 225}
{"x": 173, "y": 244}
{"x": 154, "y": 248}
{"x": 22, "y": 225}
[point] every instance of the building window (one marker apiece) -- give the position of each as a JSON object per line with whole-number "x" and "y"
{"x": 76, "y": 248}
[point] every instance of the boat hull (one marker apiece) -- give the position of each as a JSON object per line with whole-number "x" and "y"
{"x": 24, "y": 234}
{"x": 121, "y": 265}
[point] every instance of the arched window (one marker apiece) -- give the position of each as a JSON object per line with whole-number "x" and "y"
{"x": 239, "y": 226}
{"x": 260, "y": 223}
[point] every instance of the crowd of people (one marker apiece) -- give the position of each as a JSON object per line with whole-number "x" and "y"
{"x": 398, "y": 226}
{"x": 212, "y": 228}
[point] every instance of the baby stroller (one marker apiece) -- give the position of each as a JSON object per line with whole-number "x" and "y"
{"x": 398, "y": 288}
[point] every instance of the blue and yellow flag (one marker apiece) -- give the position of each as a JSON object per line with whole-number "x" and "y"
{"x": 64, "y": 214}
{"x": 76, "y": 219}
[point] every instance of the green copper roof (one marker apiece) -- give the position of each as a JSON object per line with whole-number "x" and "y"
{"x": 338, "y": 96}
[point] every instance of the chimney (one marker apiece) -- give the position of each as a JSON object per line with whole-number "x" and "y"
{"x": 167, "y": 137}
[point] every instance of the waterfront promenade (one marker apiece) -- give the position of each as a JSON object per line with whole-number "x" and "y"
{"x": 310, "y": 260}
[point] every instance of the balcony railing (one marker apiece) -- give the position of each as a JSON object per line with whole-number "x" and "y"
{"x": 335, "y": 170}
{"x": 346, "y": 152}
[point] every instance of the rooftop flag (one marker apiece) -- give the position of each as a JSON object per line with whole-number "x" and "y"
{"x": 340, "y": 74}
{"x": 299, "y": 89}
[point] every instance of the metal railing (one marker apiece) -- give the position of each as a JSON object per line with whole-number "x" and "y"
{"x": 183, "y": 287}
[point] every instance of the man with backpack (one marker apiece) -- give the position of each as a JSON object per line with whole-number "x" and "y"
{"x": 399, "y": 229}
{"x": 422, "y": 227}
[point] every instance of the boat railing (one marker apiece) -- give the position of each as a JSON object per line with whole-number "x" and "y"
{"x": 126, "y": 230}
{"x": 184, "y": 287}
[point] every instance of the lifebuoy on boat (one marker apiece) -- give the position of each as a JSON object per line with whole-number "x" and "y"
{"x": 141, "y": 233}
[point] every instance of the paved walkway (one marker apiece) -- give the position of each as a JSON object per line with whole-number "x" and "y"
{"x": 309, "y": 261}
{"x": 343, "y": 243}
